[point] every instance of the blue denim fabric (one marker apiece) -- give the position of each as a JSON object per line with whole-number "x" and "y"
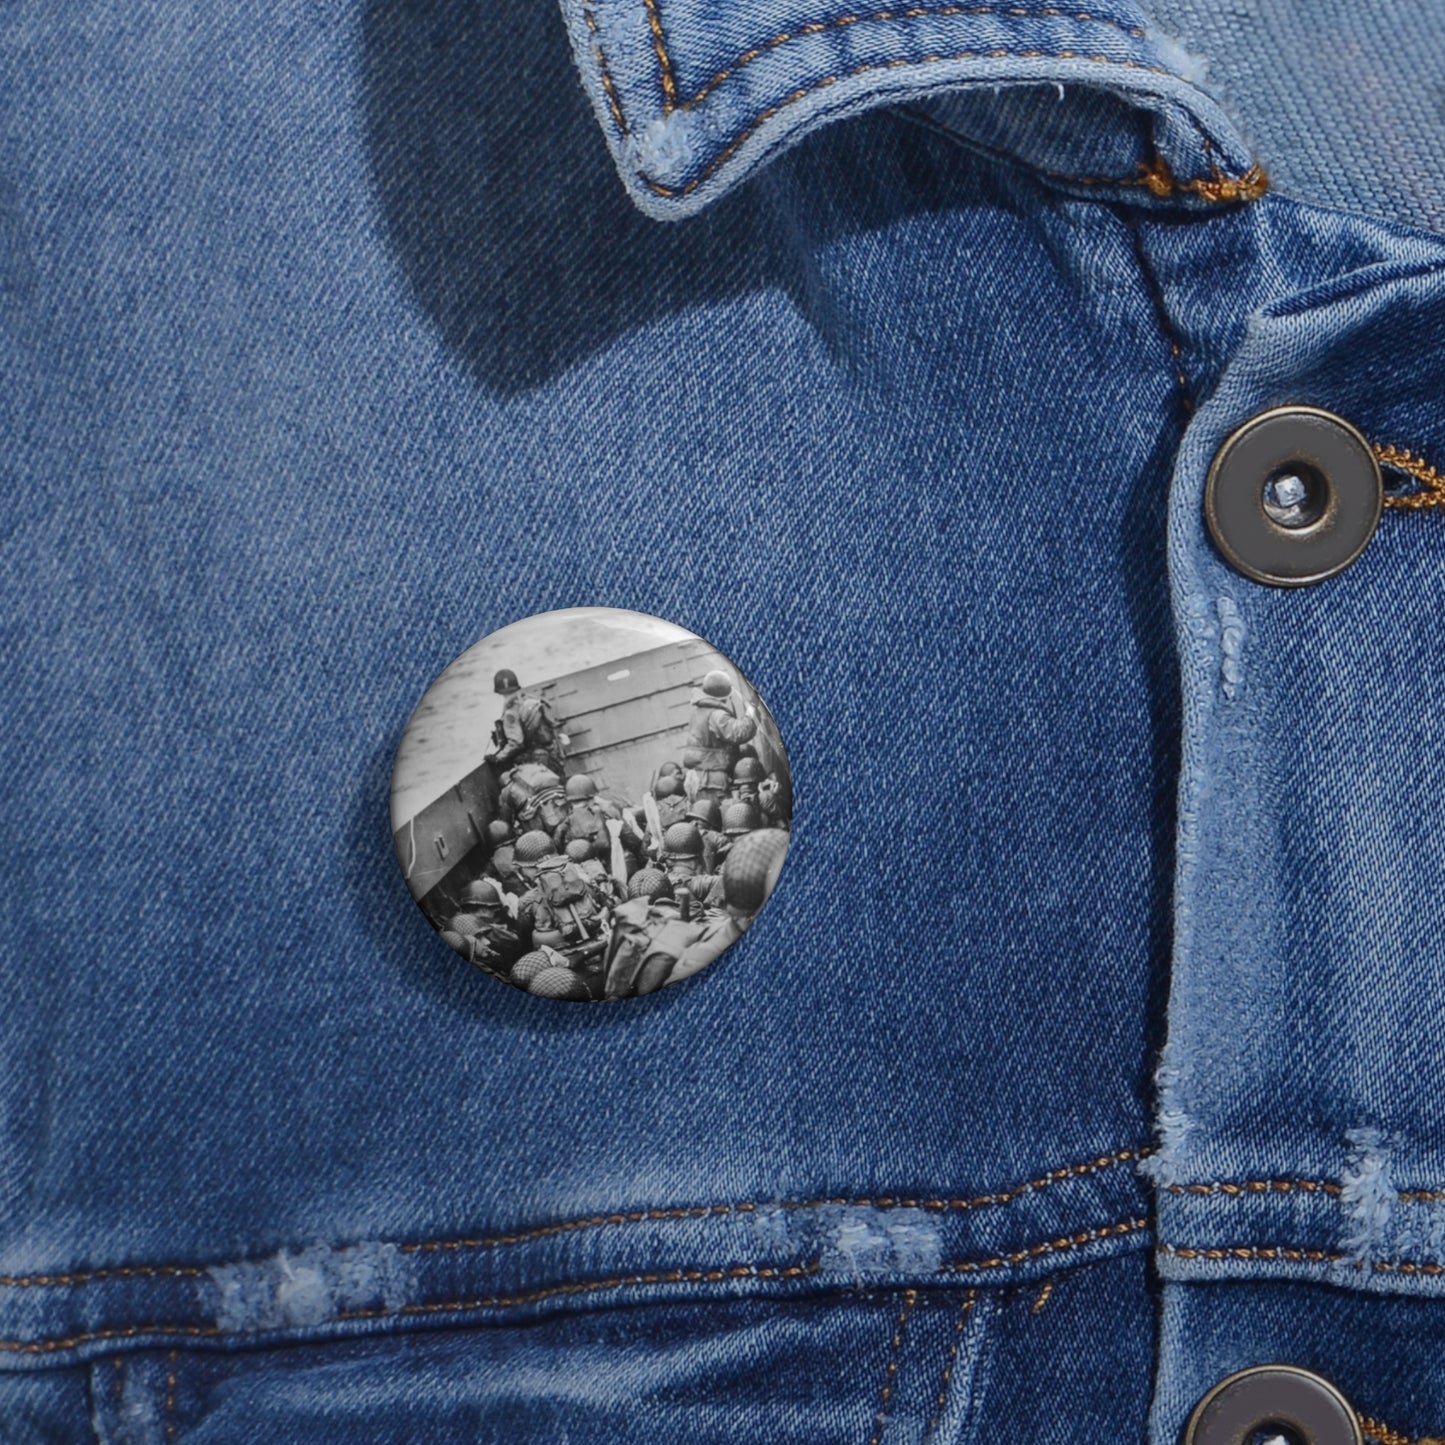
{"x": 331, "y": 342}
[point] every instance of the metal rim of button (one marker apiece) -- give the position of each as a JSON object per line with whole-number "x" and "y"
{"x": 1279, "y": 1397}
{"x": 1293, "y": 496}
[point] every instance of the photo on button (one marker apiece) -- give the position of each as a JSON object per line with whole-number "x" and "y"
{"x": 590, "y": 804}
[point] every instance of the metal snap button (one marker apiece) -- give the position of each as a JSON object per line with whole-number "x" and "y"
{"x": 1293, "y": 496}
{"x": 1279, "y": 1399}
{"x": 591, "y": 804}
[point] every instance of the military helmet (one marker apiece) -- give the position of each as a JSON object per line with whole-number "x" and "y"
{"x": 667, "y": 787}
{"x": 580, "y": 787}
{"x": 717, "y": 684}
{"x": 465, "y": 923}
{"x": 748, "y": 770}
{"x": 682, "y": 840}
{"x": 579, "y": 850}
{"x": 505, "y": 682}
{"x": 649, "y": 883}
{"x": 752, "y": 868}
{"x": 482, "y": 893}
{"x": 530, "y": 965}
{"x": 532, "y": 846}
{"x": 455, "y": 941}
{"x": 669, "y": 770}
{"x": 498, "y": 832}
{"x": 704, "y": 812}
{"x": 558, "y": 983}
{"x": 739, "y": 818}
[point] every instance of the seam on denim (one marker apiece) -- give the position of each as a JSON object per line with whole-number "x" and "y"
{"x": 169, "y": 1411}
{"x": 1052, "y": 1246}
{"x": 890, "y": 1375}
{"x": 1161, "y": 312}
{"x": 613, "y": 102}
{"x": 998, "y": 1198}
{"x": 1236, "y": 1189}
{"x": 951, "y": 1360}
{"x": 1433, "y": 496}
{"x": 912, "y": 12}
{"x": 1386, "y": 1436}
{"x": 119, "y": 1363}
{"x": 1297, "y": 1255}
{"x": 1045, "y": 1294}
{"x": 1151, "y": 172}
{"x": 664, "y": 60}
{"x": 121, "y": 1332}
{"x": 1160, "y": 180}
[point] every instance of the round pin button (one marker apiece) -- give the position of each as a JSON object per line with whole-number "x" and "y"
{"x": 591, "y": 804}
{"x": 1273, "y": 1399}
{"x": 1293, "y": 496}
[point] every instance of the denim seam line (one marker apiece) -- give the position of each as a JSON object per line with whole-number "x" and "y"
{"x": 573, "y": 1288}
{"x": 940, "y": 1403}
{"x": 671, "y": 103}
{"x": 1433, "y": 482}
{"x": 890, "y": 1375}
{"x": 998, "y": 1198}
{"x": 1297, "y": 1255}
{"x": 1235, "y": 1189}
{"x": 1384, "y": 1435}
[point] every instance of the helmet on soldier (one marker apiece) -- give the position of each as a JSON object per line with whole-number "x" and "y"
{"x": 669, "y": 770}
{"x": 505, "y": 682}
{"x": 498, "y": 832}
{"x": 704, "y": 812}
{"x": 464, "y": 923}
{"x": 579, "y": 850}
{"x": 530, "y": 965}
{"x": 717, "y": 684}
{"x": 532, "y": 846}
{"x": 482, "y": 893}
{"x": 682, "y": 840}
{"x": 580, "y": 787}
{"x": 739, "y": 818}
{"x": 667, "y": 787}
{"x": 748, "y": 770}
{"x": 649, "y": 883}
{"x": 752, "y": 868}
{"x": 558, "y": 983}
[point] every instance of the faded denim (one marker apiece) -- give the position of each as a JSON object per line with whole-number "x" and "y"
{"x": 331, "y": 342}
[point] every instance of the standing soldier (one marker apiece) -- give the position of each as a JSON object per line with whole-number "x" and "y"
{"x": 715, "y": 733}
{"x": 526, "y": 732}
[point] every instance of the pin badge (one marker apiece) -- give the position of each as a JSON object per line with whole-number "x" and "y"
{"x": 591, "y": 804}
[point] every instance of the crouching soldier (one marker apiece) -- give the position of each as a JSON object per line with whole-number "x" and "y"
{"x": 706, "y": 816}
{"x": 483, "y": 932}
{"x": 748, "y": 877}
{"x": 563, "y": 908}
{"x": 502, "y": 865}
{"x": 587, "y": 820}
{"x": 752, "y": 784}
{"x": 650, "y": 932}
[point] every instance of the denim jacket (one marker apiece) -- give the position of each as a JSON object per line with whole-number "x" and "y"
{"x": 1092, "y": 1046}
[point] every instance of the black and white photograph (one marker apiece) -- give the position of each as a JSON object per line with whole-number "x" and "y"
{"x": 591, "y": 804}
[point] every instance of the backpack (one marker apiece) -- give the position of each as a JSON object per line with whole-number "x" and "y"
{"x": 648, "y": 939}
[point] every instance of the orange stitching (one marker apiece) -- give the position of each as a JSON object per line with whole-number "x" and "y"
{"x": 1422, "y": 1196}
{"x": 980, "y": 1201}
{"x": 168, "y": 1414}
{"x": 1045, "y": 1294}
{"x": 910, "y": 1298}
{"x": 914, "y": 12}
{"x": 1219, "y": 188}
{"x": 613, "y": 102}
{"x": 1259, "y": 1186}
{"x": 1296, "y": 1255}
{"x": 1387, "y": 1436}
{"x": 942, "y": 1402}
{"x": 664, "y": 60}
{"x": 637, "y": 1216}
{"x": 129, "y": 1332}
{"x": 1432, "y": 496}
{"x": 1053, "y": 1246}
{"x": 125, "y": 1271}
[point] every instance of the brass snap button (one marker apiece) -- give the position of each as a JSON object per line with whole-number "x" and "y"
{"x": 1277, "y": 1399}
{"x": 1293, "y": 496}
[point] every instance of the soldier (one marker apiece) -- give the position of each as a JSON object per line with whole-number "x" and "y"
{"x": 502, "y": 864}
{"x": 672, "y": 803}
{"x": 748, "y": 877}
{"x": 753, "y": 784}
{"x": 739, "y": 818}
{"x": 526, "y": 732}
{"x": 490, "y": 939}
{"x": 532, "y": 797}
{"x": 563, "y": 909}
{"x": 588, "y": 818}
{"x": 603, "y": 885}
{"x": 683, "y": 862}
{"x": 715, "y": 733}
{"x": 650, "y": 932}
{"x": 705, "y": 813}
